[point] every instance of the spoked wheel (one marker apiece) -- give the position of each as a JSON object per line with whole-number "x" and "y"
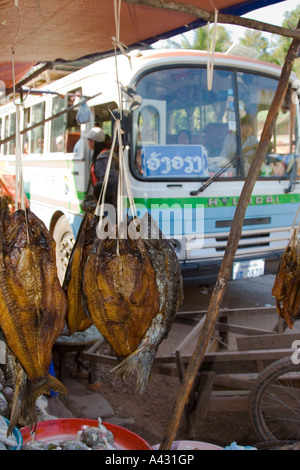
{"x": 275, "y": 401}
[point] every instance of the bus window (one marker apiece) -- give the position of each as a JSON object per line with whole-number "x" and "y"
{"x": 37, "y": 134}
{"x": 57, "y": 125}
{"x": 187, "y": 109}
{"x": 26, "y": 123}
{"x": 102, "y": 116}
{"x": 65, "y": 130}
{"x": 255, "y": 96}
{"x": 10, "y": 129}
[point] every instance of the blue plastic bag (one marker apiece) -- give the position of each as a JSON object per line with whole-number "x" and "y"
{"x": 83, "y": 114}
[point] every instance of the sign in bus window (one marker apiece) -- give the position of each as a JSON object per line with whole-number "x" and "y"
{"x": 163, "y": 161}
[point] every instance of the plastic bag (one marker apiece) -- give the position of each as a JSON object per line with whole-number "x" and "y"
{"x": 83, "y": 114}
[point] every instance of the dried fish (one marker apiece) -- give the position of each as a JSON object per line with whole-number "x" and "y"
{"x": 170, "y": 286}
{"x": 132, "y": 289}
{"x": 77, "y": 318}
{"x": 33, "y": 307}
{"x": 120, "y": 292}
{"x": 286, "y": 288}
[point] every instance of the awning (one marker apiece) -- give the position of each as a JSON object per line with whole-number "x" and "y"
{"x": 45, "y": 31}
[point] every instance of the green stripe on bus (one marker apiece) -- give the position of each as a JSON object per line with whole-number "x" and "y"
{"x": 231, "y": 201}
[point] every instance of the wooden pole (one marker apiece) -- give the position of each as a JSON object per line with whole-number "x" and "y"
{"x": 209, "y": 16}
{"x": 233, "y": 240}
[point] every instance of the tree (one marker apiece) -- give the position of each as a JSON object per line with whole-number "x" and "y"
{"x": 256, "y": 41}
{"x": 274, "y": 49}
{"x": 280, "y": 44}
{"x": 199, "y": 42}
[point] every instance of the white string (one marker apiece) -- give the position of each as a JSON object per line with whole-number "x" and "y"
{"x": 123, "y": 178}
{"x": 101, "y": 199}
{"x": 118, "y": 44}
{"x": 19, "y": 187}
{"x": 211, "y": 56}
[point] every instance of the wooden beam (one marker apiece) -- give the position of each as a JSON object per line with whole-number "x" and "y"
{"x": 272, "y": 341}
{"x": 209, "y": 16}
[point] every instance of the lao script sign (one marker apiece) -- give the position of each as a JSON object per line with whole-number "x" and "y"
{"x": 162, "y": 161}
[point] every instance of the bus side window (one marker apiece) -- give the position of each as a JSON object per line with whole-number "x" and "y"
{"x": 26, "y": 123}
{"x": 37, "y": 134}
{"x": 57, "y": 125}
{"x": 10, "y": 129}
{"x": 65, "y": 129}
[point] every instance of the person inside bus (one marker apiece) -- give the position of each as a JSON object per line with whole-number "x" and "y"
{"x": 183, "y": 137}
{"x": 59, "y": 141}
{"x": 100, "y": 155}
{"x": 39, "y": 145}
{"x": 249, "y": 142}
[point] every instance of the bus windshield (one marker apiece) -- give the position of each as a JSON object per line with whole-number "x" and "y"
{"x": 184, "y": 131}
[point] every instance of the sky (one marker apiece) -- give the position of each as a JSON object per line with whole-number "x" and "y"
{"x": 272, "y": 14}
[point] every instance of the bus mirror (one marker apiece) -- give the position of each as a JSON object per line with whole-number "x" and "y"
{"x": 136, "y": 102}
{"x": 125, "y": 124}
{"x": 132, "y": 98}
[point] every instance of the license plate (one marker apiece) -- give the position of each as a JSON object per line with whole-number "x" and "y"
{"x": 248, "y": 269}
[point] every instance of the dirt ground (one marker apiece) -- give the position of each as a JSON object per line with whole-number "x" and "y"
{"x": 148, "y": 414}
{"x": 151, "y": 412}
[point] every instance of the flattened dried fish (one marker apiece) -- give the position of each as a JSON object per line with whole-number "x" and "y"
{"x": 286, "y": 288}
{"x": 133, "y": 297}
{"x": 120, "y": 292}
{"x": 77, "y": 317}
{"x": 33, "y": 306}
{"x": 170, "y": 287}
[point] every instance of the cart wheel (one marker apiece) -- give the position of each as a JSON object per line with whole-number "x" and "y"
{"x": 275, "y": 401}
{"x": 64, "y": 237}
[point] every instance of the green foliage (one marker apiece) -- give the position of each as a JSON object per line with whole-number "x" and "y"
{"x": 199, "y": 42}
{"x": 272, "y": 48}
{"x": 256, "y": 41}
{"x": 275, "y": 49}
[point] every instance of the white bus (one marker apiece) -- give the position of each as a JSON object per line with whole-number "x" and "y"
{"x": 188, "y": 151}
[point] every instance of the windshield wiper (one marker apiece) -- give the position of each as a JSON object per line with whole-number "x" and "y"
{"x": 291, "y": 185}
{"x": 215, "y": 176}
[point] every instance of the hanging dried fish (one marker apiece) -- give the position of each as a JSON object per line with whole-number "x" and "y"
{"x": 132, "y": 296}
{"x": 170, "y": 286}
{"x": 32, "y": 306}
{"x": 120, "y": 292}
{"x": 286, "y": 288}
{"x": 77, "y": 318}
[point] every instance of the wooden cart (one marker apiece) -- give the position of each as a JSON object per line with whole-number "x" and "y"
{"x": 227, "y": 372}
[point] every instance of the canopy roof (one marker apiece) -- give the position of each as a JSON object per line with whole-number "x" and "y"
{"x": 45, "y": 31}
